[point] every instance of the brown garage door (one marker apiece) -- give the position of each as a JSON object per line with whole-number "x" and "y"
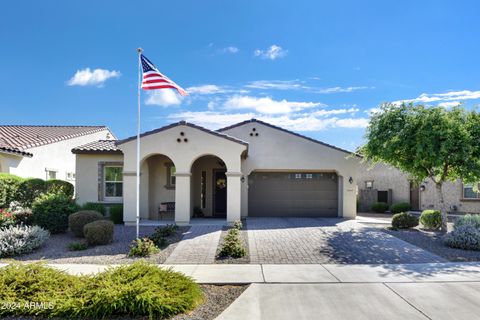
{"x": 290, "y": 194}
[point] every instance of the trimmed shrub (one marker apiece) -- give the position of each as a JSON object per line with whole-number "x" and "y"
{"x": 9, "y": 185}
{"x": 159, "y": 236}
{"x": 431, "y": 219}
{"x": 465, "y": 237}
{"x": 99, "y": 232}
{"x": 379, "y": 207}
{"x": 15, "y": 240}
{"x": 400, "y": 207}
{"x": 136, "y": 290}
{"x": 142, "y": 248}
{"x": 77, "y": 220}
{"x": 29, "y": 190}
{"x": 166, "y": 231}
{"x": 93, "y": 206}
{"x": 233, "y": 245}
{"x": 469, "y": 219}
{"x": 51, "y": 211}
{"x": 60, "y": 187}
{"x": 77, "y": 246}
{"x": 116, "y": 213}
{"x": 404, "y": 220}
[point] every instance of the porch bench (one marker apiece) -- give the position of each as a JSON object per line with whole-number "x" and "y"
{"x": 166, "y": 207}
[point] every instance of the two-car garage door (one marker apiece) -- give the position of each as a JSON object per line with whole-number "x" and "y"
{"x": 290, "y": 194}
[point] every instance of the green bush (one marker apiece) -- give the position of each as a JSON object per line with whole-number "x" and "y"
{"x": 142, "y": 248}
{"x": 431, "y": 219}
{"x": 29, "y": 190}
{"x": 136, "y": 290}
{"x": 404, "y": 220}
{"x": 16, "y": 240}
{"x": 232, "y": 245}
{"x": 77, "y": 246}
{"x": 400, "y": 207}
{"x": 469, "y": 219}
{"x": 51, "y": 211}
{"x": 166, "y": 231}
{"x": 9, "y": 185}
{"x": 159, "y": 236}
{"x": 60, "y": 187}
{"x": 465, "y": 236}
{"x": 94, "y": 206}
{"x": 238, "y": 225}
{"x": 116, "y": 213}
{"x": 379, "y": 207}
{"x": 99, "y": 232}
{"x": 77, "y": 220}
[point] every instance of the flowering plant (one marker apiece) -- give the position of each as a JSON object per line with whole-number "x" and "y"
{"x": 6, "y": 218}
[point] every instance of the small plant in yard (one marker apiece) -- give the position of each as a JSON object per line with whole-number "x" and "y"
{"x": 93, "y": 206}
{"x": 158, "y": 239}
{"x": 16, "y": 240}
{"x": 404, "y": 220}
{"x": 233, "y": 245}
{"x": 142, "y": 248}
{"x": 379, "y": 207}
{"x": 400, "y": 207}
{"x": 99, "y": 232}
{"x": 473, "y": 220}
{"x": 136, "y": 290}
{"x": 431, "y": 219}
{"x": 77, "y": 220}
{"x": 116, "y": 213}
{"x": 77, "y": 246}
{"x": 238, "y": 225}
{"x": 51, "y": 211}
{"x": 6, "y": 218}
{"x": 465, "y": 237}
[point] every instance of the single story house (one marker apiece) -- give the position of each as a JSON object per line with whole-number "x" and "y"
{"x": 383, "y": 183}
{"x": 249, "y": 169}
{"x": 44, "y": 151}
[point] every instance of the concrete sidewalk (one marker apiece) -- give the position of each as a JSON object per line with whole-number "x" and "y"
{"x": 311, "y": 273}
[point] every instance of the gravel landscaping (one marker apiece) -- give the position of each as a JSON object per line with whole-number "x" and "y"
{"x": 55, "y": 249}
{"x": 433, "y": 242}
{"x": 227, "y": 260}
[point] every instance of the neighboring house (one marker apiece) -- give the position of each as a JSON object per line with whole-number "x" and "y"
{"x": 384, "y": 183}
{"x": 44, "y": 151}
{"x": 249, "y": 169}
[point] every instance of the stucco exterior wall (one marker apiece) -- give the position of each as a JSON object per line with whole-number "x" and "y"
{"x": 277, "y": 150}
{"x": 157, "y": 190}
{"x": 87, "y": 172}
{"x": 453, "y": 197}
{"x": 56, "y": 156}
{"x": 207, "y": 164}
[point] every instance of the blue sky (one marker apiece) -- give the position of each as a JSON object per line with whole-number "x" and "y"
{"x": 315, "y": 67}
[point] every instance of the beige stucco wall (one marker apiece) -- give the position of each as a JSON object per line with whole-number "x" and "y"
{"x": 453, "y": 196}
{"x": 57, "y": 156}
{"x": 87, "y": 175}
{"x": 183, "y": 154}
{"x": 276, "y": 150}
{"x": 157, "y": 174}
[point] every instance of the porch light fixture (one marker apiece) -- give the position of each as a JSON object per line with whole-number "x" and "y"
{"x": 422, "y": 187}
{"x": 242, "y": 179}
{"x": 350, "y": 180}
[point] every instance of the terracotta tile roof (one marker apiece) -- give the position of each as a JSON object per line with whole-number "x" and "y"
{"x": 18, "y": 138}
{"x": 101, "y": 146}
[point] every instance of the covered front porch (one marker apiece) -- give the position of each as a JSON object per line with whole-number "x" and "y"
{"x": 186, "y": 172}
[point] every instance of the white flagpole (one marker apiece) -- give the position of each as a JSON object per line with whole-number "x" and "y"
{"x": 139, "y": 51}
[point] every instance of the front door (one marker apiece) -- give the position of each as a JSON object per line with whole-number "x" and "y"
{"x": 219, "y": 193}
{"x": 414, "y": 196}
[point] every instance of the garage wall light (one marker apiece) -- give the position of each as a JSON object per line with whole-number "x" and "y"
{"x": 350, "y": 180}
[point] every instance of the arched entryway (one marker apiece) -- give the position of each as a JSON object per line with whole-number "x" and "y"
{"x": 209, "y": 187}
{"x": 157, "y": 189}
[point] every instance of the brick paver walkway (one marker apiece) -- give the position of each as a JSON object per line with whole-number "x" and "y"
{"x": 322, "y": 240}
{"x": 198, "y": 246}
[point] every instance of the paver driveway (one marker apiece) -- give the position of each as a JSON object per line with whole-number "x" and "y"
{"x": 327, "y": 240}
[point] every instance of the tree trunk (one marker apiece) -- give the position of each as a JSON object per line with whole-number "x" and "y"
{"x": 443, "y": 209}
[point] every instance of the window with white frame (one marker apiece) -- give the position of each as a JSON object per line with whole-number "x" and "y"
{"x": 69, "y": 176}
{"x": 171, "y": 180}
{"x": 113, "y": 182}
{"x": 369, "y": 185}
{"x": 469, "y": 192}
{"x": 50, "y": 174}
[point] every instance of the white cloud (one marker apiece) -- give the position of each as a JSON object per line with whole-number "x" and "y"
{"x": 276, "y": 84}
{"x": 341, "y": 89}
{"x": 267, "y": 105}
{"x": 272, "y": 53}
{"x": 230, "y": 49}
{"x": 449, "y": 104}
{"x": 323, "y": 113}
{"x": 205, "y": 89}
{"x": 216, "y": 120}
{"x": 164, "y": 98}
{"x": 87, "y": 77}
{"x": 452, "y": 96}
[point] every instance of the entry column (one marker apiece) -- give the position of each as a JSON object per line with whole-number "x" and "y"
{"x": 234, "y": 196}
{"x": 182, "y": 197}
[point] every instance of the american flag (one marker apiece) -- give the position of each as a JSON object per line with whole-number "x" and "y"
{"x": 153, "y": 79}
